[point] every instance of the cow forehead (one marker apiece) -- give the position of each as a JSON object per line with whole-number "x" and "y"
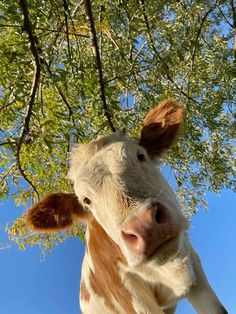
{"x": 96, "y": 160}
{"x": 82, "y": 154}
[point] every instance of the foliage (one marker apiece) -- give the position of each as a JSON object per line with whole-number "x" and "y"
{"x": 69, "y": 73}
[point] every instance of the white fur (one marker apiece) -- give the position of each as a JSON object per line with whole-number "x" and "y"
{"x": 118, "y": 185}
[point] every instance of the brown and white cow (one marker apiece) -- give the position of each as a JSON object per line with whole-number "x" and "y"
{"x": 138, "y": 258}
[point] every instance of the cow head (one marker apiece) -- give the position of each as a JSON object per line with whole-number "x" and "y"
{"x": 116, "y": 182}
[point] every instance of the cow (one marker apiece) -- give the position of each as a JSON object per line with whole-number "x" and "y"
{"x": 138, "y": 258}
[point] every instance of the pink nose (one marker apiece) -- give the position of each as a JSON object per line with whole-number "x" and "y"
{"x": 144, "y": 233}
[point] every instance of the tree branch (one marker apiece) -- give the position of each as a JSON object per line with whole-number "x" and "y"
{"x": 224, "y": 17}
{"x": 98, "y": 63}
{"x": 76, "y": 34}
{"x": 27, "y": 26}
{"x": 151, "y": 41}
{"x": 65, "y": 6}
{"x": 62, "y": 25}
{"x": 5, "y": 173}
{"x": 203, "y": 20}
{"x": 63, "y": 98}
{"x": 33, "y": 47}
{"x": 6, "y": 143}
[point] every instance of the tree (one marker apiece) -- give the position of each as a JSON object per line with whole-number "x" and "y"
{"x": 71, "y": 70}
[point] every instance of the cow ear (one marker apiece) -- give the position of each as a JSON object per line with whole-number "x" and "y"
{"x": 55, "y": 212}
{"x": 161, "y": 126}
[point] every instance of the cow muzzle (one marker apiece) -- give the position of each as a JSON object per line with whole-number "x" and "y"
{"x": 147, "y": 230}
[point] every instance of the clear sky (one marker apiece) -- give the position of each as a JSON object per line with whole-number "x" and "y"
{"x": 31, "y": 286}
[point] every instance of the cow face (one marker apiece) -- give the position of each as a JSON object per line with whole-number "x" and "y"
{"x": 117, "y": 183}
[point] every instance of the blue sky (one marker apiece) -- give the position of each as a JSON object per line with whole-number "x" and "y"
{"x": 31, "y": 286}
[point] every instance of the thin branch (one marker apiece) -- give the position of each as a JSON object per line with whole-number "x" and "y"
{"x": 6, "y": 173}
{"x": 5, "y": 143}
{"x": 98, "y": 63}
{"x": 48, "y": 30}
{"x": 142, "y": 4}
{"x": 63, "y": 97}
{"x": 7, "y": 105}
{"x": 78, "y": 50}
{"x": 33, "y": 48}
{"x": 65, "y": 6}
{"x": 69, "y": 33}
{"x": 58, "y": 88}
{"x": 73, "y": 25}
{"x": 66, "y": 15}
{"x": 224, "y": 17}
{"x": 61, "y": 27}
{"x": 151, "y": 41}
{"x": 203, "y": 20}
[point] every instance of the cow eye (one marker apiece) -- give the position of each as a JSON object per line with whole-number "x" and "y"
{"x": 141, "y": 157}
{"x": 86, "y": 201}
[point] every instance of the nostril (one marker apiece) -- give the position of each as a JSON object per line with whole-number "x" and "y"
{"x": 129, "y": 236}
{"x": 157, "y": 216}
{"x": 160, "y": 214}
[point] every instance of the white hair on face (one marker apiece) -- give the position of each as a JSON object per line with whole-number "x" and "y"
{"x": 82, "y": 153}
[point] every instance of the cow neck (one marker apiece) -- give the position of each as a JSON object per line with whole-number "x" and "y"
{"x": 105, "y": 277}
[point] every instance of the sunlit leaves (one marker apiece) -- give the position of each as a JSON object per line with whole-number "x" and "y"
{"x": 149, "y": 51}
{"x": 21, "y": 236}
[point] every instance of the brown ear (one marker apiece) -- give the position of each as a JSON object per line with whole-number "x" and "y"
{"x": 55, "y": 212}
{"x": 161, "y": 126}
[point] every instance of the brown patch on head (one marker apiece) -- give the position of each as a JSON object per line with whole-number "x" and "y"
{"x": 105, "y": 279}
{"x": 84, "y": 294}
{"x": 161, "y": 126}
{"x": 55, "y": 212}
